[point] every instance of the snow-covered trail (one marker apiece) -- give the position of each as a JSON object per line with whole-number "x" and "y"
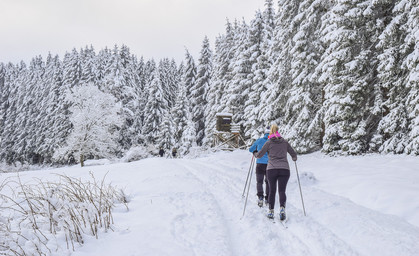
{"x": 194, "y": 207}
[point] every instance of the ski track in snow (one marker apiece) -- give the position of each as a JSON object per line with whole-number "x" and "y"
{"x": 194, "y": 207}
{"x": 267, "y": 238}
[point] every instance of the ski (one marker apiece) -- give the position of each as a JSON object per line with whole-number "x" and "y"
{"x": 284, "y": 223}
{"x": 271, "y": 219}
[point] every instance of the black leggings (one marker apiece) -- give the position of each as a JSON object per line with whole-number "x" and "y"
{"x": 280, "y": 177}
{"x": 260, "y": 178}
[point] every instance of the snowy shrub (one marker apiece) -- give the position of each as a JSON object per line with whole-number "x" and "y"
{"x": 195, "y": 152}
{"x": 135, "y": 153}
{"x": 37, "y": 218}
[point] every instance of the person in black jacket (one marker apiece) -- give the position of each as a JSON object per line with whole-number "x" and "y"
{"x": 161, "y": 152}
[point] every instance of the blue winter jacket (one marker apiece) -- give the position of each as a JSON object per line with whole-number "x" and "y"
{"x": 258, "y": 146}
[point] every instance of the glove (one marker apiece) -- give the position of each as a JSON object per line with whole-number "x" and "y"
{"x": 294, "y": 159}
{"x": 255, "y": 152}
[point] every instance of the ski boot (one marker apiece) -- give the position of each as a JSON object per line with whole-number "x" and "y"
{"x": 260, "y": 201}
{"x": 270, "y": 214}
{"x": 282, "y": 214}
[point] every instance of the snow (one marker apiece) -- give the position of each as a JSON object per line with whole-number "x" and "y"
{"x": 223, "y": 114}
{"x": 356, "y": 205}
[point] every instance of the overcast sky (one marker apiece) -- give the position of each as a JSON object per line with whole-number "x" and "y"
{"x": 150, "y": 28}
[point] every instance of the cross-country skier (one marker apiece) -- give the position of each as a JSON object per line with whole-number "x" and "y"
{"x": 161, "y": 152}
{"x": 261, "y": 164}
{"x": 278, "y": 170}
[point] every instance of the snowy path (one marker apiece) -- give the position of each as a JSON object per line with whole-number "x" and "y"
{"x": 194, "y": 207}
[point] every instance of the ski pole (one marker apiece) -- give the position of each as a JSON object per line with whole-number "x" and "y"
{"x": 248, "y": 188}
{"x": 301, "y": 193}
{"x": 247, "y": 179}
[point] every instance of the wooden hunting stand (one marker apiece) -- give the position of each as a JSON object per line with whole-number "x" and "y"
{"x": 227, "y": 135}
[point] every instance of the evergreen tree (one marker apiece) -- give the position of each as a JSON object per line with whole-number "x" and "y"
{"x": 57, "y": 120}
{"x": 165, "y": 132}
{"x": 411, "y": 65}
{"x": 9, "y": 110}
{"x": 169, "y": 80}
{"x": 221, "y": 74}
{"x": 119, "y": 82}
{"x": 200, "y": 88}
{"x": 237, "y": 88}
{"x": 188, "y": 136}
{"x": 71, "y": 69}
{"x": 391, "y": 92}
{"x": 348, "y": 77}
{"x": 3, "y": 101}
{"x": 180, "y": 112}
{"x": 303, "y": 127}
{"x": 88, "y": 66}
{"x": 189, "y": 73}
{"x": 259, "y": 67}
{"x": 23, "y": 119}
{"x": 279, "y": 78}
{"x": 155, "y": 109}
{"x": 146, "y": 79}
{"x": 139, "y": 75}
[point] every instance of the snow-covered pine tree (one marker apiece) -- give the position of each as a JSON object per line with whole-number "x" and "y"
{"x": 57, "y": 116}
{"x": 257, "y": 40}
{"x": 133, "y": 82}
{"x": 169, "y": 79}
{"x": 140, "y": 67}
{"x": 347, "y": 75}
{"x": 279, "y": 78}
{"x": 184, "y": 128}
{"x": 188, "y": 136}
{"x": 221, "y": 74}
{"x": 42, "y": 102}
{"x": 165, "y": 132}
{"x": 391, "y": 92}
{"x": 20, "y": 138}
{"x": 71, "y": 69}
{"x": 9, "y": 106}
{"x": 88, "y": 65}
{"x": 146, "y": 79}
{"x": 411, "y": 64}
{"x": 3, "y": 99}
{"x": 154, "y": 111}
{"x": 179, "y": 112}
{"x": 118, "y": 81}
{"x": 96, "y": 119}
{"x": 200, "y": 88}
{"x": 302, "y": 126}
{"x": 103, "y": 64}
{"x": 265, "y": 61}
{"x": 235, "y": 96}
{"x": 189, "y": 73}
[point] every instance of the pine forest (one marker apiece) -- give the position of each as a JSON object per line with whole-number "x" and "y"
{"x": 335, "y": 75}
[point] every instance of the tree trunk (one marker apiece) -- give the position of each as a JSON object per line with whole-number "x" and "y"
{"x": 81, "y": 160}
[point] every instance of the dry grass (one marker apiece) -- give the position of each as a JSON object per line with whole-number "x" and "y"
{"x": 34, "y": 215}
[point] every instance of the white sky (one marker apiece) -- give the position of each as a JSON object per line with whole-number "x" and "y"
{"x": 150, "y": 28}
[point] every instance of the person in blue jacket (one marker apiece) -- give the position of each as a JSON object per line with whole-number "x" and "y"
{"x": 261, "y": 164}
